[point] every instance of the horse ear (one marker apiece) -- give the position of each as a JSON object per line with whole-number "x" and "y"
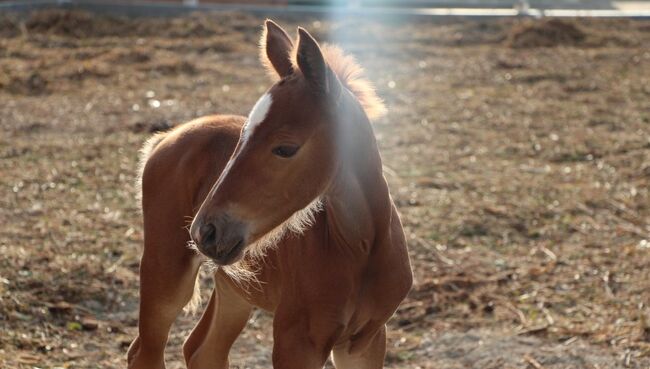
{"x": 275, "y": 49}
{"x": 313, "y": 66}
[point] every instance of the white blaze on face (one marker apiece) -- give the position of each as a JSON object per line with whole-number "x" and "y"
{"x": 257, "y": 115}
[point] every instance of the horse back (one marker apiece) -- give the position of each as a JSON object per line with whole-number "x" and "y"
{"x": 180, "y": 166}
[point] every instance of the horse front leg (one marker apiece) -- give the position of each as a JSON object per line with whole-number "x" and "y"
{"x": 370, "y": 357}
{"x": 302, "y": 341}
{"x": 168, "y": 271}
{"x": 225, "y": 317}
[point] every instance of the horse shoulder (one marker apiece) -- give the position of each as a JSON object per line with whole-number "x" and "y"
{"x": 389, "y": 273}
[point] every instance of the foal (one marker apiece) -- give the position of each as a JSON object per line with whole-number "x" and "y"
{"x": 293, "y": 197}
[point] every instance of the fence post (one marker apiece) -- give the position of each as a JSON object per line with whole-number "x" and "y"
{"x": 522, "y": 6}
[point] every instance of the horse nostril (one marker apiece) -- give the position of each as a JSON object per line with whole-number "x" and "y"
{"x": 208, "y": 233}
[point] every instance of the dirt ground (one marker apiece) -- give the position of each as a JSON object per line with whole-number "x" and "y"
{"x": 518, "y": 153}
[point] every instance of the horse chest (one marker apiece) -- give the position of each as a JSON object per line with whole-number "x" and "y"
{"x": 317, "y": 284}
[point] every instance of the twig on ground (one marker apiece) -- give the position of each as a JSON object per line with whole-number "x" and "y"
{"x": 533, "y": 330}
{"x": 532, "y": 362}
{"x": 627, "y": 360}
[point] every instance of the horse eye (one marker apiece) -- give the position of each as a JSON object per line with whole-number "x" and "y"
{"x": 285, "y": 151}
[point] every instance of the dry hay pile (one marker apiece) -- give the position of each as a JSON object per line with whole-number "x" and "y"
{"x": 545, "y": 33}
{"x": 27, "y": 84}
{"x": 80, "y": 24}
{"x": 72, "y": 23}
{"x": 554, "y": 32}
{"x": 68, "y": 38}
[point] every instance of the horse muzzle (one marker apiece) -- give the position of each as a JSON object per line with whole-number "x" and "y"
{"x": 222, "y": 239}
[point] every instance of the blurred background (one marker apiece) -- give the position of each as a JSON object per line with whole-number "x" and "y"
{"x": 517, "y": 149}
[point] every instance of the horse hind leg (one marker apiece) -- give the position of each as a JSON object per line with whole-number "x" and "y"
{"x": 226, "y": 316}
{"x": 168, "y": 271}
{"x": 199, "y": 332}
{"x": 372, "y": 357}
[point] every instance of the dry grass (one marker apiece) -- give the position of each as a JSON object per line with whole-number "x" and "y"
{"x": 521, "y": 172}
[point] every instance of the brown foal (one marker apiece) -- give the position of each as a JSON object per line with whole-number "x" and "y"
{"x": 291, "y": 205}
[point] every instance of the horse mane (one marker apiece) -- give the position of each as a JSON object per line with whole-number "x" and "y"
{"x": 351, "y": 75}
{"x": 345, "y": 67}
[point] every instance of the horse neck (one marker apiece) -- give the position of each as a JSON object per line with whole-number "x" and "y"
{"x": 357, "y": 202}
